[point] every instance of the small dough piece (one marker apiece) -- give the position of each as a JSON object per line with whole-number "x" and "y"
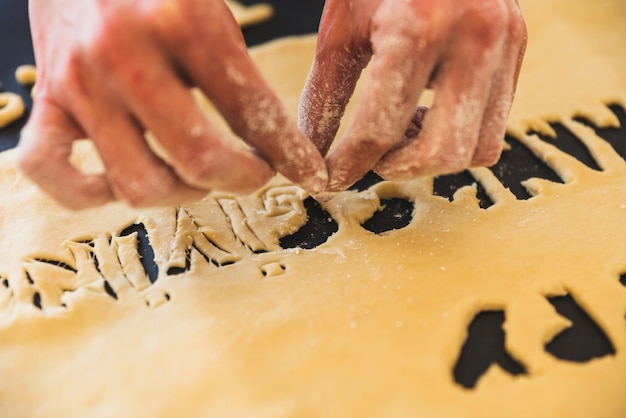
{"x": 26, "y": 74}
{"x": 250, "y": 15}
{"x": 11, "y": 108}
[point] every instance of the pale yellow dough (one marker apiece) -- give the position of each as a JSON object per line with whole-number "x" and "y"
{"x": 250, "y": 15}
{"x": 363, "y": 326}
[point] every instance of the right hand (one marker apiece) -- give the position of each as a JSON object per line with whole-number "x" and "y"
{"x": 468, "y": 51}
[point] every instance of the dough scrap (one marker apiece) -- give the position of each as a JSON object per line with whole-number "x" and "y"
{"x": 364, "y": 325}
{"x": 26, "y": 75}
{"x": 250, "y": 15}
{"x": 11, "y": 108}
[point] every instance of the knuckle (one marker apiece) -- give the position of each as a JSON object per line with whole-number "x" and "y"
{"x": 71, "y": 80}
{"x": 64, "y": 78}
{"x": 115, "y": 42}
{"x": 103, "y": 33}
{"x": 488, "y": 21}
{"x": 104, "y": 47}
{"x": 167, "y": 20}
{"x": 518, "y": 32}
{"x": 426, "y": 22}
{"x": 73, "y": 68}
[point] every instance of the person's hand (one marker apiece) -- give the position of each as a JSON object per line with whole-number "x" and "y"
{"x": 468, "y": 52}
{"x": 111, "y": 70}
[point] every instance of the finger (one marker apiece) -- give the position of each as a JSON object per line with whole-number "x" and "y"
{"x": 250, "y": 107}
{"x": 198, "y": 155}
{"x": 451, "y": 128}
{"x": 337, "y": 66}
{"x": 501, "y": 96}
{"x": 398, "y": 74}
{"x": 135, "y": 174}
{"x": 43, "y": 154}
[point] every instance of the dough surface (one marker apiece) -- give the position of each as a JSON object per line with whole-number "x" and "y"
{"x": 364, "y": 325}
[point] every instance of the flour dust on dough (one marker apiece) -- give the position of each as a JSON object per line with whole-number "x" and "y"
{"x": 363, "y": 325}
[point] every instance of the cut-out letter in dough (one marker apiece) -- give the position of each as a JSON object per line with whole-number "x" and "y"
{"x": 228, "y": 324}
{"x": 26, "y": 75}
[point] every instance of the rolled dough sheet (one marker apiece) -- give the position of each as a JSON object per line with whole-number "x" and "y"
{"x": 364, "y": 325}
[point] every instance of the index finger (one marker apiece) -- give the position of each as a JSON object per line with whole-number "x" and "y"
{"x": 226, "y": 74}
{"x": 404, "y": 58}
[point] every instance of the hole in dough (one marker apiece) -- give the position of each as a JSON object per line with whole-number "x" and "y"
{"x": 614, "y": 136}
{"x": 518, "y": 164}
{"x": 446, "y": 186}
{"x": 396, "y": 213}
{"x": 569, "y": 143}
{"x": 581, "y": 342}
{"x": 366, "y": 182}
{"x": 37, "y": 301}
{"x": 319, "y": 227}
{"x": 56, "y": 263}
{"x": 144, "y": 249}
{"x": 483, "y": 348}
{"x": 109, "y": 290}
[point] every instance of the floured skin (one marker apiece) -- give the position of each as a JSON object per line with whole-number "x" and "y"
{"x": 12, "y": 105}
{"x": 231, "y": 322}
